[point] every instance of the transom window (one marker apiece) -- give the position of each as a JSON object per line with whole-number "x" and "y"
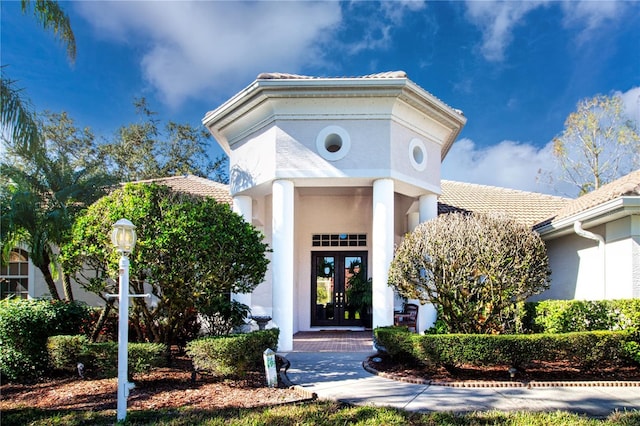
{"x": 339, "y": 240}
{"x": 14, "y": 277}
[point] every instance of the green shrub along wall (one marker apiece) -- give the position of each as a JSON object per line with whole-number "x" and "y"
{"x": 25, "y": 326}
{"x": 101, "y": 359}
{"x": 585, "y": 333}
{"x": 564, "y": 316}
{"x": 584, "y": 350}
{"x": 232, "y": 355}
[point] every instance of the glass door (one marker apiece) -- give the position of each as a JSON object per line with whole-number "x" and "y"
{"x": 330, "y": 274}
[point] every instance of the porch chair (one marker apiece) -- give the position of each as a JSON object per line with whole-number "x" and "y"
{"x": 408, "y": 317}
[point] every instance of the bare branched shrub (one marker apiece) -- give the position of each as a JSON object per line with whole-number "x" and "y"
{"x": 476, "y": 268}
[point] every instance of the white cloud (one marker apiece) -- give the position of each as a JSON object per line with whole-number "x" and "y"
{"x": 193, "y": 47}
{"x": 397, "y": 10}
{"x": 631, "y": 102}
{"x": 377, "y": 22}
{"x": 507, "y": 164}
{"x": 497, "y": 21}
{"x": 591, "y": 16}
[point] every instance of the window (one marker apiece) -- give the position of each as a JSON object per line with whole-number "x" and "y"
{"x": 14, "y": 277}
{"x": 418, "y": 155}
{"x": 339, "y": 240}
{"x": 333, "y": 143}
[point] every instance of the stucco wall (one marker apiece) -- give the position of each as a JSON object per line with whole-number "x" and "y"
{"x": 576, "y": 272}
{"x": 325, "y": 214}
{"x": 579, "y": 265}
{"x": 622, "y": 238}
{"x": 298, "y": 155}
{"x": 401, "y": 164}
{"x": 261, "y": 298}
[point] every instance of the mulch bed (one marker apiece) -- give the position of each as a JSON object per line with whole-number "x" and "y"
{"x": 536, "y": 372}
{"x": 163, "y": 388}
{"x": 173, "y": 387}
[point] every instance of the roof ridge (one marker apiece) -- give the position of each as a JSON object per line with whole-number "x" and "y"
{"x": 506, "y": 190}
{"x": 291, "y": 76}
{"x": 627, "y": 185}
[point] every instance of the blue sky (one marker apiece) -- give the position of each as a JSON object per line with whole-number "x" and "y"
{"x": 516, "y": 69}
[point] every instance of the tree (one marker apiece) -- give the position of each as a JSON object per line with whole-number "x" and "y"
{"x": 44, "y": 187}
{"x": 190, "y": 250}
{"x": 144, "y": 150}
{"x": 475, "y": 268}
{"x": 598, "y": 145}
{"x": 16, "y": 113}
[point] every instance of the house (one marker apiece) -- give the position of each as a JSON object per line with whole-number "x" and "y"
{"x": 593, "y": 242}
{"x": 335, "y": 171}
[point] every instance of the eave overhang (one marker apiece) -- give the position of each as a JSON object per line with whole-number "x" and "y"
{"x": 261, "y": 90}
{"x": 606, "y": 212}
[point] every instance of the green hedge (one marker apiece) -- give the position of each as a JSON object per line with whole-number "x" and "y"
{"x": 583, "y": 349}
{"x": 232, "y": 355}
{"x": 564, "y": 316}
{"x": 101, "y": 359}
{"x": 25, "y": 326}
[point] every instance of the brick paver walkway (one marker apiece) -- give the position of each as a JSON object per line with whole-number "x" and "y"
{"x": 333, "y": 341}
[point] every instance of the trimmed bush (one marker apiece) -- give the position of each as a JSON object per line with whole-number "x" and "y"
{"x": 582, "y": 349}
{"x": 66, "y": 351}
{"x": 478, "y": 268}
{"x": 564, "y": 316}
{"x": 25, "y": 326}
{"x": 101, "y": 359}
{"x": 143, "y": 357}
{"x": 232, "y": 355}
{"x": 398, "y": 342}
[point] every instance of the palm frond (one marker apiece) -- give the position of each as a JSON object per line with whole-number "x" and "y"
{"x": 17, "y": 118}
{"x": 52, "y": 17}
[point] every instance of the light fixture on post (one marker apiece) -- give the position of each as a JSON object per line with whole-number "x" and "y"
{"x": 123, "y": 237}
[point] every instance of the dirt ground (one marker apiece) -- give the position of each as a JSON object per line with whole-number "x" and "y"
{"x": 173, "y": 387}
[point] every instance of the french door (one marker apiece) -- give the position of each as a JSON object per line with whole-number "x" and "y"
{"x": 330, "y": 273}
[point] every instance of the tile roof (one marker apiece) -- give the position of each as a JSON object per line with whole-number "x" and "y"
{"x": 626, "y": 185}
{"x": 528, "y": 208}
{"x": 195, "y": 185}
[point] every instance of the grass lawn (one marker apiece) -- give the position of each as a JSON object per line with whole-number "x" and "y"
{"x": 313, "y": 413}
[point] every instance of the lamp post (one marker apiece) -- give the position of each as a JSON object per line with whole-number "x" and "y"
{"x": 123, "y": 237}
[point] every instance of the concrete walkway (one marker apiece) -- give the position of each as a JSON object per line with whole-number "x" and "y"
{"x": 341, "y": 376}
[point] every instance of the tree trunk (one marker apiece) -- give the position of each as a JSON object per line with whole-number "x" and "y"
{"x": 46, "y": 273}
{"x": 51, "y": 285}
{"x": 101, "y": 320}
{"x": 68, "y": 291}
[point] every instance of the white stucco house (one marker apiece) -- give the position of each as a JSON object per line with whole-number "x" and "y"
{"x": 335, "y": 171}
{"x": 593, "y": 243}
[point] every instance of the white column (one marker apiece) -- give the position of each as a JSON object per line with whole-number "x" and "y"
{"x": 283, "y": 260}
{"x": 428, "y": 207}
{"x": 413, "y": 220}
{"x": 427, "y": 314}
{"x": 243, "y": 205}
{"x": 382, "y": 244}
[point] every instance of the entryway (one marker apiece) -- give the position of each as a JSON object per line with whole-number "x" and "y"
{"x": 330, "y": 274}
{"x": 333, "y": 341}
